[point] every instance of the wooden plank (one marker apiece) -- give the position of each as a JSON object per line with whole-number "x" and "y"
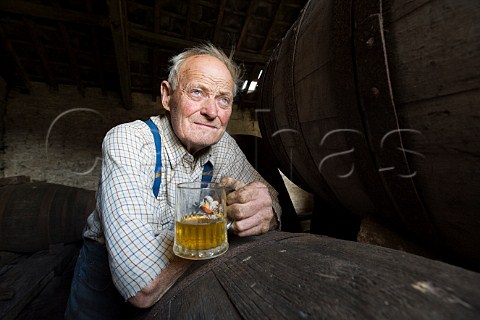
{"x": 190, "y": 17}
{"x": 248, "y": 16}
{"x": 157, "y": 12}
{"x": 29, "y": 276}
{"x": 434, "y": 48}
{"x": 406, "y": 7}
{"x": 218, "y": 24}
{"x": 199, "y": 298}
{"x": 379, "y": 113}
{"x": 291, "y": 276}
{"x": 42, "y": 54}
{"x": 72, "y": 55}
{"x": 18, "y": 65}
{"x": 39, "y": 11}
{"x": 446, "y": 166}
{"x": 266, "y": 43}
{"x": 118, "y": 26}
{"x": 98, "y": 54}
{"x": 14, "y": 180}
{"x": 151, "y": 37}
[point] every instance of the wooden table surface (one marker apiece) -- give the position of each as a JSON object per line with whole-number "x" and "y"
{"x": 296, "y": 276}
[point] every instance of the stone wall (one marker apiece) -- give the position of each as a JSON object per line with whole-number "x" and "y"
{"x": 3, "y": 109}
{"x": 56, "y": 136}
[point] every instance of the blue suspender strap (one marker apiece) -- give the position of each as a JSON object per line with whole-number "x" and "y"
{"x": 158, "y": 163}
{"x": 207, "y": 173}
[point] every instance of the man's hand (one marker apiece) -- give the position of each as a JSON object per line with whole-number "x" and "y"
{"x": 250, "y": 206}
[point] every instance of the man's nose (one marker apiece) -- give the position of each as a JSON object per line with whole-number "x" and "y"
{"x": 209, "y": 108}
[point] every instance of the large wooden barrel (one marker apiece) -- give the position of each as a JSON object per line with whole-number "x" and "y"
{"x": 374, "y": 107}
{"x": 35, "y": 215}
{"x": 282, "y": 275}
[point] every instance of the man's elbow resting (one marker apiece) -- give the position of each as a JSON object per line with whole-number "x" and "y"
{"x": 142, "y": 300}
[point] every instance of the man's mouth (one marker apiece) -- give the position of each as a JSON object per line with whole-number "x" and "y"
{"x": 207, "y": 125}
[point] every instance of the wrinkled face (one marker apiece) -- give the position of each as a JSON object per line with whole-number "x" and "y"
{"x": 201, "y": 105}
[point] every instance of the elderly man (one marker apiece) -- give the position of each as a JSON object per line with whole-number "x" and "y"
{"x": 126, "y": 261}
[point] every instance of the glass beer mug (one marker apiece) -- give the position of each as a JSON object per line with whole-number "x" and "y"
{"x": 201, "y": 221}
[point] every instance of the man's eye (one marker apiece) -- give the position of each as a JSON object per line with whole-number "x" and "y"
{"x": 225, "y": 101}
{"x": 196, "y": 92}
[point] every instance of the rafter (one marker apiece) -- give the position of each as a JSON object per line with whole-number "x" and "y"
{"x": 118, "y": 18}
{"x": 150, "y": 37}
{"x": 188, "y": 26}
{"x": 18, "y": 65}
{"x": 96, "y": 48}
{"x": 72, "y": 56}
{"x": 39, "y": 47}
{"x": 218, "y": 25}
{"x": 157, "y": 11}
{"x": 45, "y": 12}
{"x": 270, "y": 30}
{"x": 248, "y": 16}
{"x": 137, "y": 49}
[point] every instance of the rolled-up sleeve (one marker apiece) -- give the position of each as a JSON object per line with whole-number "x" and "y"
{"x": 138, "y": 237}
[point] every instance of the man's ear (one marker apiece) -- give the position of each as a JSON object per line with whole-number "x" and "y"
{"x": 166, "y": 92}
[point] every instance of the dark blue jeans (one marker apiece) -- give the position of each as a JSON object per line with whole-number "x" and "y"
{"x": 93, "y": 295}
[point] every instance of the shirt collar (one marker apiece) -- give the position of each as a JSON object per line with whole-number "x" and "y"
{"x": 175, "y": 151}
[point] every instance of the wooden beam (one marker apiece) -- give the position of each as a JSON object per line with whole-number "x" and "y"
{"x": 188, "y": 26}
{"x": 46, "y": 12}
{"x": 157, "y": 12}
{"x": 72, "y": 56}
{"x": 18, "y": 65}
{"x": 118, "y": 25}
{"x": 150, "y": 37}
{"x": 37, "y": 42}
{"x": 270, "y": 30}
{"x": 98, "y": 54}
{"x": 218, "y": 25}
{"x": 248, "y": 16}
